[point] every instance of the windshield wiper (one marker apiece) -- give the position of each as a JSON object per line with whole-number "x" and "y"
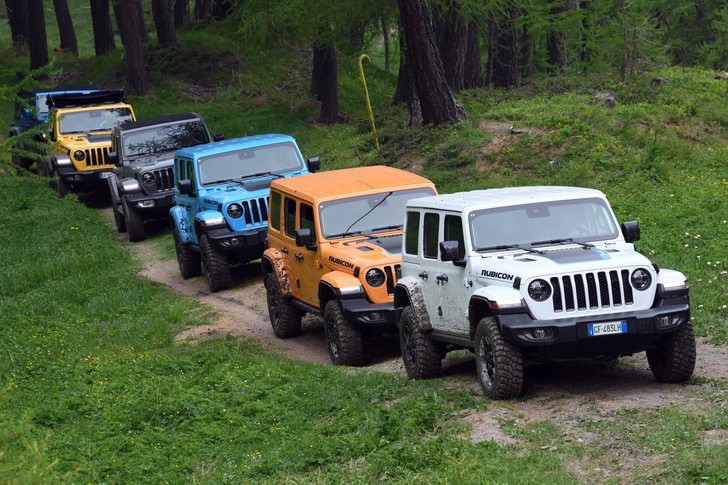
{"x": 343, "y": 234}
{"x": 261, "y": 174}
{"x": 501, "y": 247}
{"x": 385, "y": 228}
{"x": 569, "y": 240}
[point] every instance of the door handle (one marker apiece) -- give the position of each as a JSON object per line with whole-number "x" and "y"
{"x": 441, "y": 278}
{"x": 298, "y": 256}
{"x": 423, "y": 275}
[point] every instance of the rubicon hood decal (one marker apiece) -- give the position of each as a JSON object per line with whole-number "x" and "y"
{"x": 577, "y": 255}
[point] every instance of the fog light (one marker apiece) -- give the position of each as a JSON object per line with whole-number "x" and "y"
{"x": 663, "y": 321}
{"x": 542, "y": 333}
{"x": 375, "y": 316}
{"x": 234, "y": 241}
{"x": 146, "y": 203}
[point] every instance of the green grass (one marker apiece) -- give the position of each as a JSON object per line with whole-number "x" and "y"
{"x": 96, "y": 391}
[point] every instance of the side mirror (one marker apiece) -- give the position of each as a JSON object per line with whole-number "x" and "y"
{"x": 112, "y": 158}
{"x": 185, "y": 187}
{"x": 218, "y": 137}
{"x": 303, "y": 238}
{"x": 631, "y": 231}
{"x": 450, "y": 251}
{"x": 314, "y": 164}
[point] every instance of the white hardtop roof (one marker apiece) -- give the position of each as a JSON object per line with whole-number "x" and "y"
{"x": 484, "y": 199}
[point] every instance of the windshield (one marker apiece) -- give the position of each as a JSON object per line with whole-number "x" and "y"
{"x": 161, "y": 139}
{"x": 101, "y": 119}
{"x": 367, "y": 214}
{"x": 42, "y": 105}
{"x": 250, "y": 162}
{"x": 580, "y": 220}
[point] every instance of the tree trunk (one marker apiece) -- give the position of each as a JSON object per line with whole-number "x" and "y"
{"x": 181, "y": 14}
{"x": 555, "y": 41}
{"x": 65, "y": 27}
{"x": 452, "y": 40}
{"x": 436, "y": 100}
{"x": 37, "y": 40}
{"x": 203, "y": 10}
{"x": 221, "y": 9}
{"x": 503, "y": 51}
{"x": 119, "y": 20}
{"x": 143, "y": 31}
{"x": 136, "y": 75}
{"x": 385, "y": 35}
{"x": 164, "y": 21}
{"x": 526, "y": 55}
{"x": 473, "y": 71}
{"x": 103, "y": 31}
{"x": 18, "y": 19}
{"x": 325, "y": 83}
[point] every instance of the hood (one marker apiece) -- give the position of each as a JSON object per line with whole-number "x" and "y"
{"x": 154, "y": 161}
{"x": 554, "y": 262}
{"x": 234, "y": 192}
{"x": 88, "y": 139}
{"x": 364, "y": 253}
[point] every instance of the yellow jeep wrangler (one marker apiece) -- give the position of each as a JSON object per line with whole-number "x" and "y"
{"x": 80, "y": 136}
{"x": 335, "y": 251}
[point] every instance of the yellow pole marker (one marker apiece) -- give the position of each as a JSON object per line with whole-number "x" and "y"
{"x": 366, "y": 95}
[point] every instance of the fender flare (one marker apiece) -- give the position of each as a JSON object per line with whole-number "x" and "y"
{"x": 408, "y": 292}
{"x": 111, "y": 180}
{"x": 274, "y": 262}
{"x": 179, "y": 219}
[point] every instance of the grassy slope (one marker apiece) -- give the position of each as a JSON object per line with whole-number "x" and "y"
{"x": 91, "y": 374}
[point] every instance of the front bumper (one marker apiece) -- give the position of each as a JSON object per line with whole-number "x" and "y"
{"x": 570, "y": 336}
{"x": 83, "y": 178}
{"x": 248, "y": 244}
{"x": 161, "y": 201}
{"x": 359, "y": 311}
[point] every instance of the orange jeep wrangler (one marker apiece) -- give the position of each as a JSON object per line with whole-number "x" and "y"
{"x": 335, "y": 250}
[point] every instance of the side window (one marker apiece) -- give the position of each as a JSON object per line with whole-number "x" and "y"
{"x": 191, "y": 174}
{"x": 454, "y": 232}
{"x": 275, "y": 210}
{"x": 431, "y": 226}
{"x": 413, "y": 232}
{"x": 306, "y": 221}
{"x": 289, "y": 220}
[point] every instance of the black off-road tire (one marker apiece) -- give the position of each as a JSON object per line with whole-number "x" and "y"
{"x": 499, "y": 364}
{"x": 134, "y": 222}
{"x": 421, "y": 356}
{"x": 216, "y": 265}
{"x": 189, "y": 260}
{"x": 61, "y": 185}
{"x": 119, "y": 220}
{"x": 344, "y": 340}
{"x": 284, "y": 317}
{"x": 673, "y": 357}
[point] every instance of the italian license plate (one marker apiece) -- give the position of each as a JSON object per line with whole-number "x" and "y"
{"x": 607, "y": 328}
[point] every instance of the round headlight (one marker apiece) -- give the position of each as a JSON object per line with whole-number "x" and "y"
{"x": 79, "y": 155}
{"x": 235, "y": 211}
{"x": 148, "y": 178}
{"x": 375, "y": 277}
{"x": 641, "y": 279}
{"x": 539, "y": 290}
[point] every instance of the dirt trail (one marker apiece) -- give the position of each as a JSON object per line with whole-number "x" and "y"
{"x": 557, "y": 392}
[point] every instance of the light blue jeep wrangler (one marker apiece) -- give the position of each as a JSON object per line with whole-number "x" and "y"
{"x": 220, "y": 216}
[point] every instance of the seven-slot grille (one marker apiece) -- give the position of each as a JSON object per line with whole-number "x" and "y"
{"x": 592, "y": 290}
{"x": 392, "y": 273}
{"x": 164, "y": 179}
{"x": 96, "y": 157}
{"x": 256, "y": 211}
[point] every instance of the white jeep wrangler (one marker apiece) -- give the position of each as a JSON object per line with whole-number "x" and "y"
{"x": 531, "y": 274}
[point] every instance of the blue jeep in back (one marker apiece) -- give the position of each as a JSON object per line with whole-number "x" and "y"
{"x": 220, "y": 216}
{"x": 32, "y": 111}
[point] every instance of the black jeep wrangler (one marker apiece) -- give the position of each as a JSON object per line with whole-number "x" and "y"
{"x": 142, "y": 181}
